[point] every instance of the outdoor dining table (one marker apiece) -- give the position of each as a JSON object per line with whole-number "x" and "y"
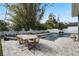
{"x": 27, "y": 38}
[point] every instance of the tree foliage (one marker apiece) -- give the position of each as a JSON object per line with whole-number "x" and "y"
{"x": 28, "y": 15}
{"x": 3, "y": 26}
{"x": 62, "y": 26}
{"x": 25, "y": 15}
{"x": 53, "y": 23}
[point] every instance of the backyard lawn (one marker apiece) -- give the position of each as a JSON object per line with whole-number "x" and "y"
{"x": 1, "y": 54}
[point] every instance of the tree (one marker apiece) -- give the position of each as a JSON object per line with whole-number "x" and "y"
{"x": 25, "y": 15}
{"x": 62, "y": 26}
{"x": 3, "y": 26}
{"x": 51, "y": 22}
{"x": 41, "y": 27}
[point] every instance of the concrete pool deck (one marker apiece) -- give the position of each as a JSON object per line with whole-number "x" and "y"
{"x": 60, "y": 47}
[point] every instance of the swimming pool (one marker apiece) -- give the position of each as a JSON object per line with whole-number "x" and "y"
{"x": 54, "y": 36}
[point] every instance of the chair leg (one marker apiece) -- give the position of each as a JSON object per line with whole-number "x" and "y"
{"x": 30, "y": 46}
{"x": 33, "y": 47}
{"x": 37, "y": 47}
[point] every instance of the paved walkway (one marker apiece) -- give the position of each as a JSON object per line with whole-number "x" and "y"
{"x": 62, "y": 46}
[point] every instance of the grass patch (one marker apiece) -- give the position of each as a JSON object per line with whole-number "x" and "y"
{"x": 1, "y": 52}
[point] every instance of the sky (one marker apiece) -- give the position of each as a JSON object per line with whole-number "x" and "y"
{"x": 61, "y": 10}
{"x": 2, "y": 12}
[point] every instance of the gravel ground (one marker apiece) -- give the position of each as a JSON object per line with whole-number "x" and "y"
{"x": 60, "y": 47}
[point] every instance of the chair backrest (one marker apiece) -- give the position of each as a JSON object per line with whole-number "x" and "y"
{"x": 34, "y": 41}
{"x": 37, "y": 40}
{"x": 30, "y": 40}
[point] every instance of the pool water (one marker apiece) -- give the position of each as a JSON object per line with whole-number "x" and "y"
{"x": 54, "y": 36}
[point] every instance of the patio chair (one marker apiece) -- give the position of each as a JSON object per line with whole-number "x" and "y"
{"x": 32, "y": 43}
{"x": 19, "y": 40}
{"x": 73, "y": 36}
{"x": 22, "y": 43}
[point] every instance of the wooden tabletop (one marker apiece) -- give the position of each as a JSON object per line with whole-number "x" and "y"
{"x": 25, "y": 37}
